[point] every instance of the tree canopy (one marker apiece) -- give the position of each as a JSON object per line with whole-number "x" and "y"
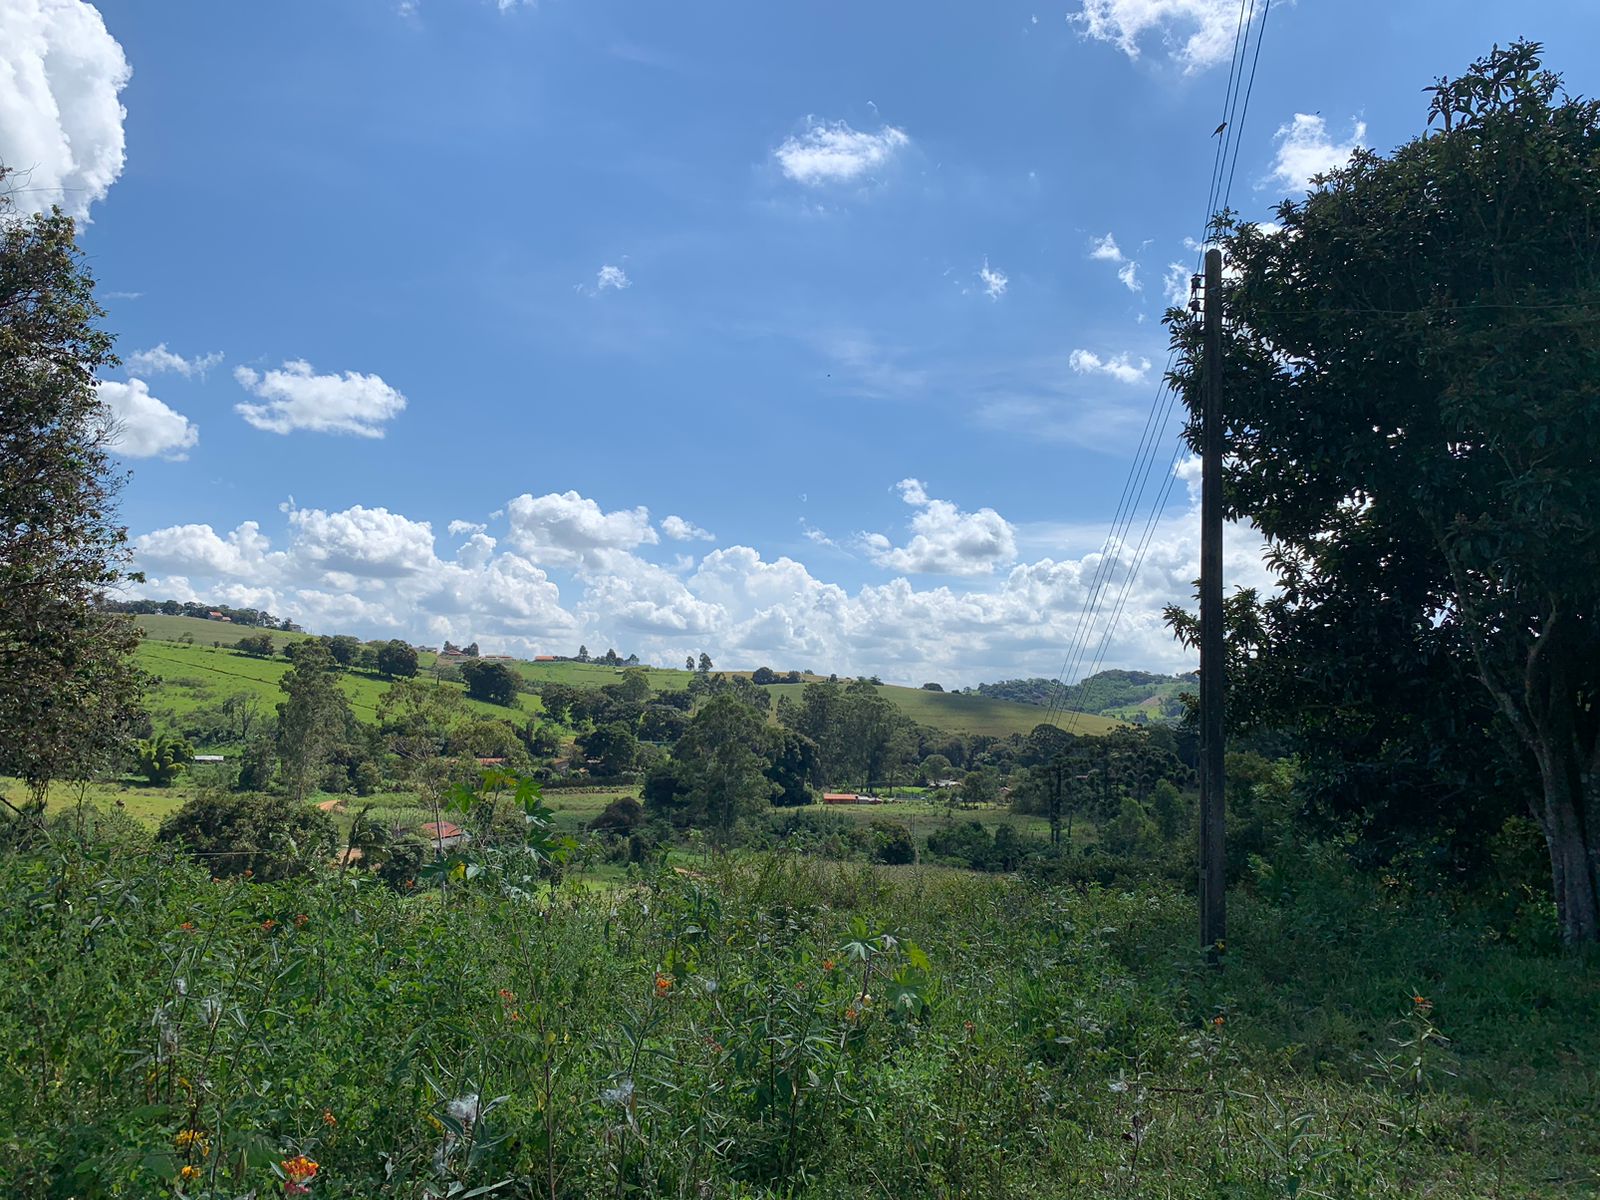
{"x": 1412, "y": 356}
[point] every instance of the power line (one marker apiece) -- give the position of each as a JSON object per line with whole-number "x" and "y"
{"x": 1235, "y": 111}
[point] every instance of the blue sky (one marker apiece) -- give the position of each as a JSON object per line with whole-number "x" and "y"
{"x": 442, "y": 319}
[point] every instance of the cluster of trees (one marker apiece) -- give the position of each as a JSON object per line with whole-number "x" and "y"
{"x": 393, "y": 659}
{"x": 610, "y": 658}
{"x": 190, "y": 608}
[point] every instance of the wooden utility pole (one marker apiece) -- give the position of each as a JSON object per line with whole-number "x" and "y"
{"x": 1213, "y": 823}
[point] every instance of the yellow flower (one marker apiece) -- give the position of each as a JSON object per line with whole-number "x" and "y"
{"x": 192, "y": 1139}
{"x": 188, "y": 1173}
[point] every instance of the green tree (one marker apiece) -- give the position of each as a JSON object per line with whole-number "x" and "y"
{"x": 344, "y": 649}
{"x": 491, "y": 682}
{"x": 705, "y": 663}
{"x": 396, "y": 660}
{"x": 162, "y": 759}
{"x": 795, "y": 767}
{"x": 268, "y": 837}
{"x": 583, "y": 654}
{"x": 688, "y": 663}
{"x": 69, "y": 691}
{"x": 313, "y": 719}
{"x": 1434, "y": 311}
{"x": 257, "y": 645}
{"x": 613, "y": 747}
{"x": 722, "y": 757}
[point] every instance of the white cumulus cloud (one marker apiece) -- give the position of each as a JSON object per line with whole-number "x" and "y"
{"x": 832, "y": 152}
{"x": 60, "y": 118}
{"x": 1121, "y": 367}
{"x": 566, "y": 529}
{"x": 158, "y": 359}
{"x": 945, "y": 540}
{"x": 142, "y": 425}
{"x": 612, "y": 277}
{"x": 298, "y": 398}
{"x": 1306, "y": 149}
{"x": 1196, "y": 33}
{"x": 1106, "y": 249}
{"x": 680, "y": 530}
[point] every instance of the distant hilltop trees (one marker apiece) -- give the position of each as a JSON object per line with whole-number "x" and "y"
{"x": 254, "y": 617}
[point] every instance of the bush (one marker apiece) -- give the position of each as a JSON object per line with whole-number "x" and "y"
{"x": 162, "y": 759}
{"x": 262, "y": 836}
{"x": 892, "y": 843}
{"x": 622, "y": 815}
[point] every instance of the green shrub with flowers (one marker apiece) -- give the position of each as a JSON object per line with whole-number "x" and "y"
{"x": 770, "y": 1025}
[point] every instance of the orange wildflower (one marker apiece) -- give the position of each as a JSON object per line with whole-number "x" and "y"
{"x": 187, "y": 927}
{"x": 827, "y": 964}
{"x": 328, "y": 1118}
{"x": 300, "y": 920}
{"x": 663, "y": 983}
{"x": 1217, "y": 1020}
{"x": 299, "y": 1171}
{"x": 269, "y": 924}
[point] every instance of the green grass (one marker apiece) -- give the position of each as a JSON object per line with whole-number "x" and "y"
{"x": 195, "y": 675}
{"x": 770, "y": 1026}
{"x": 204, "y": 632}
{"x": 956, "y": 713}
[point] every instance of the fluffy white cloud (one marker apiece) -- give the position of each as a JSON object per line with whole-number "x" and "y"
{"x": 1305, "y": 150}
{"x": 680, "y": 530}
{"x": 945, "y": 540}
{"x": 994, "y": 282}
{"x": 370, "y": 543}
{"x": 458, "y": 527}
{"x": 158, "y": 359}
{"x": 1128, "y": 273}
{"x": 1197, "y": 33}
{"x": 1106, "y": 249}
{"x": 566, "y": 529}
{"x": 60, "y": 119}
{"x": 143, "y": 426}
{"x": 1120, "y": 367}
{"x": 298, "y": 398}
{"x": 376, "y": 573}
{"x": 611, "y": 277}
{"x": 832, "y": 152}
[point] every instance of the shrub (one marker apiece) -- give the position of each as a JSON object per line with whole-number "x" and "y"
{"x": 623, "y": 815}
{"x": 265, "y": 837}
{"x": 162, "y": 759}
{"x": 892, "y": 843}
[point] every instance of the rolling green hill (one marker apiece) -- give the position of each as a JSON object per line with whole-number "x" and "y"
{"x": 194, "y": 672}
{"x": 192, "y": 676}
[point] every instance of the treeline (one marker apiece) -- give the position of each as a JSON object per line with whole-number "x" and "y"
{"x": 1101, "y": 693}
{"x": 189, "y": 608}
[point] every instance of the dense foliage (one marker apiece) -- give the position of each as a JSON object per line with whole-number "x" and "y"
{"x": 1412, "y": 355}
{"x": 772, "y": 1028}
{"x": 68, "y": 689}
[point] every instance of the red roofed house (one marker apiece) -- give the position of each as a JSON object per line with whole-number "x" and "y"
{"x": 445, "y": 835}
{"x": 839, "y": 797}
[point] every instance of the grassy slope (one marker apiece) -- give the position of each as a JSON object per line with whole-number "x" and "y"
{"x": 200, "y": 674}
{"x": 196, "y": 675}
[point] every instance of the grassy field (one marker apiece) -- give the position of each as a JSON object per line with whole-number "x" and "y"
{"x": 204, "y": 632}
{"x": 957, "y": 713}
{"x": 198, "y": 673}
{"x": 195, "y": 675}
{"x": 772, "y": 1027}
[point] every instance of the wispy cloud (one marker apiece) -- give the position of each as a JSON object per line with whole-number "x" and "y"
{"x": 994, "y": 281}
{"x": 159, "y": 359}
